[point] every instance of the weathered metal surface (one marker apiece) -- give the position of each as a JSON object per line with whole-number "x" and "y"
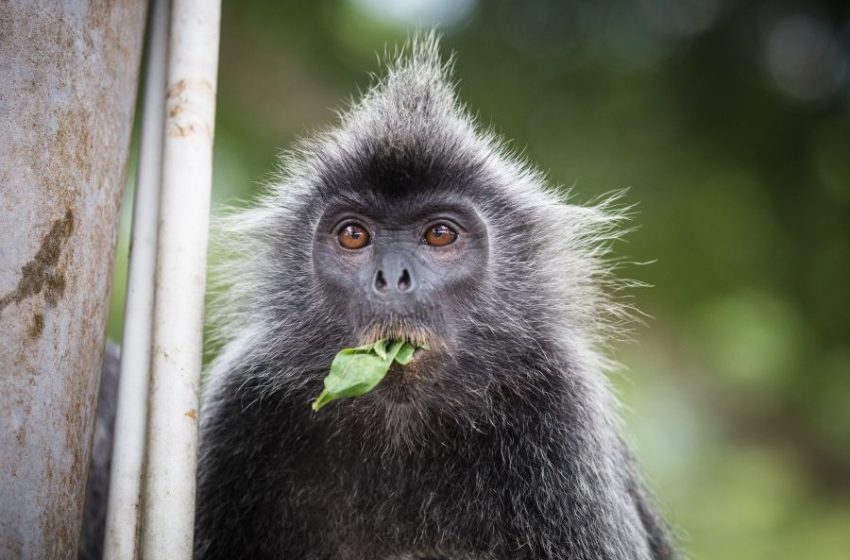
{"x": 68, "y": 74}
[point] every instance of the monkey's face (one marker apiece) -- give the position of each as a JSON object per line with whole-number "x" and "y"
{"x": 400, "y": 268}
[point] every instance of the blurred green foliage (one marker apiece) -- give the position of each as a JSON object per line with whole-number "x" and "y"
{"x": 730, "y": 123}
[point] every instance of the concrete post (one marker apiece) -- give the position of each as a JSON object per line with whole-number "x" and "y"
{"x": 68, "y": 77}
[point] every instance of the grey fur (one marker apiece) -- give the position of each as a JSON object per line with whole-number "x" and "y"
{"x": 514, "y": 452}
{"x": 97, "y": 487}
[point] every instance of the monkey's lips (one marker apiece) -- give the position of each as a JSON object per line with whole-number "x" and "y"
{"x": 402, "y": 380}
{"x": 419, "y": 354}
{"x": 407, "y": 383}
{"x": 421, "y": 338}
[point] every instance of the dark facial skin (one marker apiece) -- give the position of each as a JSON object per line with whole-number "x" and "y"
{"x": 395, "y": 273}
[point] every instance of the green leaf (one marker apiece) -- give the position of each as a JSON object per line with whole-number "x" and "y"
{"x": 356, "y": 371}
{"x": 393, "y": 349}
{"x": 323, "y": 399}
{"x": 405, "y": 353}
{"x": 380, "y": 348}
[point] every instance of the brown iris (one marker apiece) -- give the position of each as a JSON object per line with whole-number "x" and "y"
{"x": 440, "y": 235}
{"x": 353, "y": 236}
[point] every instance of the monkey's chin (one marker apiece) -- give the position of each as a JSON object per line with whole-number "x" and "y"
{"x": 405, "y": 383}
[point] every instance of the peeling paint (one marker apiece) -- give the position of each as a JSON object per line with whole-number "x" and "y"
{"x": 181, "y": 98}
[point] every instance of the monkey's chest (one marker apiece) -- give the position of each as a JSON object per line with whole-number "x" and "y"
{"x": 409, "y": 508}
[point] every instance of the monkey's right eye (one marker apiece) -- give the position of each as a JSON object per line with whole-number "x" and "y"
{"x": 353, "y": 236}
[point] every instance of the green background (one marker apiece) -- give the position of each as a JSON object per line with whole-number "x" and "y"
{"x": 730, "y": 124}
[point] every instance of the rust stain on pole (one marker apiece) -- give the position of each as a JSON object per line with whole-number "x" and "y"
{"x": 67, "y": 97}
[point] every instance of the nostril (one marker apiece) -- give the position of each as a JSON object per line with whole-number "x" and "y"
{"x": 404, "y": 281}
{"x": 380, "y": 283}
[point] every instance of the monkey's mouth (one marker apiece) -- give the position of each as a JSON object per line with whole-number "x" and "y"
{"x": 421, "y": 338}
{"x": 407, "y": 383}
{"x": 417, "y": 355}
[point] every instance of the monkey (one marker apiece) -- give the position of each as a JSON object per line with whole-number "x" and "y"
{"x": 500, "y": 439}
{"x": 97, "y": 485}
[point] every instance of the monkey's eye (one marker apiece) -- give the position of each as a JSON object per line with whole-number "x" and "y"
{"x": 353, "y": 236}
{"x": 440, "y": 235}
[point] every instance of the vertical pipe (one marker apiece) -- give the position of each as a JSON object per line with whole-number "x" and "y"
{"x": 169, "y": 495}
{"x": 68, "y": 73}
{"x": 122, "y": 518}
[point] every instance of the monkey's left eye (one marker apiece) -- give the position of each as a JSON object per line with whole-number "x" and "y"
{"x": 440, "y": 235}
{"x": 353, "y": 236}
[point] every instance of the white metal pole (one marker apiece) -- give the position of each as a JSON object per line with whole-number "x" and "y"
{"x": 169, "y": 495}
{"x": 122, "y": 518}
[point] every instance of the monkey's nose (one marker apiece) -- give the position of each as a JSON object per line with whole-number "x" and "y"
{"x": 402, "y": 283}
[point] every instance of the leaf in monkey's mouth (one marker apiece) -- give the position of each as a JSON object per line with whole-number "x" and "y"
{"x": 356, "y": 371}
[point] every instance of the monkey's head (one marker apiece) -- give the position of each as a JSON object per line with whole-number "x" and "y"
{"x": 408, "y": 222}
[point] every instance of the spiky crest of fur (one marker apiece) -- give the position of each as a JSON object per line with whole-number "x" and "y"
{"x": 513, "y": 452}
